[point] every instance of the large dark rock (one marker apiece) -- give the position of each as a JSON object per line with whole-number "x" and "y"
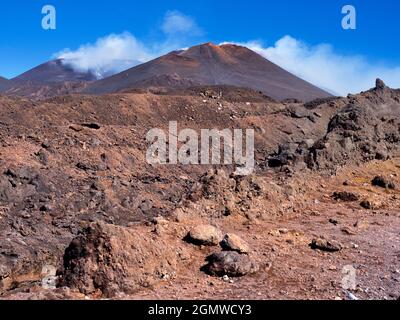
{"x": 229, "y": 263}
{"x": 383, "y": 182}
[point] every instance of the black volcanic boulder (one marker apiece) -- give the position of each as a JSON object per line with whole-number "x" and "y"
{"x": 383, "y": 182}
{"x": 230, "y": 263}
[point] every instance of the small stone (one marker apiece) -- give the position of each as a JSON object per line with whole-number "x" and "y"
{"x": 274, "y": 233}
{"x": 381, "y": 155}
{"x": 345, "y": 196}
{"x": 46, "y": 144}
{"x": 178, "y": 215}
{"x": 348, "y": 231}
{"x": 366, "y": 204}
{"x": 334, "y": 222}
{"x": 166, "y": 277}
{"x": 46, "y": 208}
{"x": 370, "y": 204}
{"x": 160, "y": 221}
{"x": 232, "y": 242}
{"x": 351, "y": 296}
{"x": 362, "y": 224}
{"x": 92, "y": 125}
{"x": 325, "y": 245}
{"x": 42, "y": 156}
{"x": 309, "y": 143}
{"x": 205, "y": 235}
{"x": 146, "y": 206}
{"x": 76, "y": 127}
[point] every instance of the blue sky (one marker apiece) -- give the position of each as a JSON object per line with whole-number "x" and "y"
{"x": 311, "y": 23}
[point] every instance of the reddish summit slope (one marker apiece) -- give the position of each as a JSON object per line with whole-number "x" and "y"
{"x": 210, "y": 64}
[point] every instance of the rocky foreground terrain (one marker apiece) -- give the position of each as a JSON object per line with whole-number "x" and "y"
{"x": 83, "y": 216}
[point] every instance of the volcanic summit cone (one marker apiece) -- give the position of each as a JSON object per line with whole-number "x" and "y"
{"x": 209, "y": 64}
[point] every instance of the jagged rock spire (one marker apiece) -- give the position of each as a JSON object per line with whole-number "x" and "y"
{"x": 380, "y": 85}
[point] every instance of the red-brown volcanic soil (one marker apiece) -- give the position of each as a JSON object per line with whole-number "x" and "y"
{"x": 77, "y": 195}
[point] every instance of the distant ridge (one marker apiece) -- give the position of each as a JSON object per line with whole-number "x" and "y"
{"x": 51, "y": 72}
{"x": 4, "y": 84}
{"x": 46, "y": 80}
